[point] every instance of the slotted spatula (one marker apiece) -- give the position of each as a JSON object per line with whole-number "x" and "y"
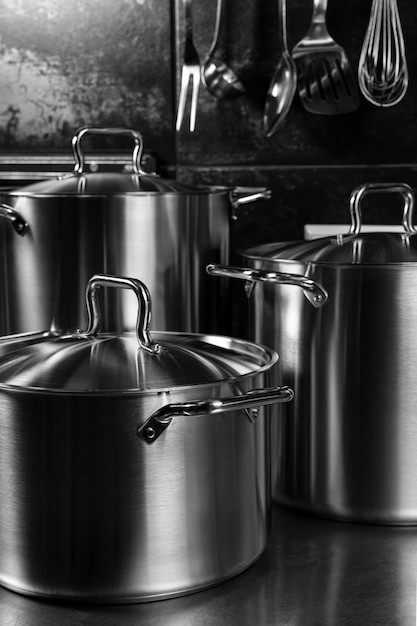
{"x": 326, "y": 82}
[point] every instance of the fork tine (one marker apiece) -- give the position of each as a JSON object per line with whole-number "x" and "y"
{"x": 191, "y": 72}
{"x": 182, "y": 99}
{"x": 195, "y": 82}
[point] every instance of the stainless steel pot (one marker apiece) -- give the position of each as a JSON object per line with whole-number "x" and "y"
{"x": 132, "y": 467}
{"x": 347, "y": 446}
{"x": 132, "y": 224}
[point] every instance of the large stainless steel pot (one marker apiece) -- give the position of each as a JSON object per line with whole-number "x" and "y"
{"x": 132, "y": 467}
{"x": 347, "y": 446}
{"x": 132, "y": 224}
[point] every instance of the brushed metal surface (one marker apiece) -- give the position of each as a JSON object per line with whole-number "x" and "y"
{"x": 165, "y": 240}
{"x": 314, "y": 571}
{"x": 92, "y": 513}
{"x": 346, "y": 446}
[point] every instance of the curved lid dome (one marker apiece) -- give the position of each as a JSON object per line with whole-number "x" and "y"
{"x": 108, "y": 183}
{"x": 357, "y": 248}
{"x": 365, "y": 249}
{"x": 117, "y": 364}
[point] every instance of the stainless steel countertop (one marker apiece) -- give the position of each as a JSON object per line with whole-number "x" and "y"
{"x": 314, "y": 572}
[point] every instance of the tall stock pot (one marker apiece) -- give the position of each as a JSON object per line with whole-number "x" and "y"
{"x": 347, "y": 446}
{"x": 133, "y": 467}
{"x": 132, "y": 223}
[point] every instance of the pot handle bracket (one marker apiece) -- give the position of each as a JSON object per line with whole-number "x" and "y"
{"x": 9, "y": 213}
{"x": 155, "y": 425}
{"x": 240, "y": 196}
{"x": 313, "y": 291}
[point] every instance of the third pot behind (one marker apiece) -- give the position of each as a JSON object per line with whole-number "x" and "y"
{"x": 347, "y": 446}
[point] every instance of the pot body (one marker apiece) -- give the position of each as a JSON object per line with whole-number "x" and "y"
{"x": 92, "y": 513}
{"x": 346, "y": 447}
{"x": 163, "y": 239}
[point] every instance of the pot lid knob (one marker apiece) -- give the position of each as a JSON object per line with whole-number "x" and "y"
{"x": 144, "y": 308}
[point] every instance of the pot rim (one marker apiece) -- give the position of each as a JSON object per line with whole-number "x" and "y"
{"x": 268, "y": 355}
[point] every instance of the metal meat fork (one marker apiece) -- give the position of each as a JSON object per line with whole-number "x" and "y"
{"x": 191, "y": 71}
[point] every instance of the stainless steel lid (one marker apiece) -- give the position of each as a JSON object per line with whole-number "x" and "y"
{"x": 355, "y": 248}
{"x": 129, "y": 362}
{"x": 109, "y": 183}
{"x": 364, "y": 249}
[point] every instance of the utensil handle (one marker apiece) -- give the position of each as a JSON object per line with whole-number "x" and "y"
{"x": 282, "y": 26}
{"x": 82, "y": 132}
{"x": 144, "y": 307}
{"x": 155, "y": 425}
{"x": 9, "y": 213}
{"x": 314, "y": 292}
{"x": 360, "y": 192}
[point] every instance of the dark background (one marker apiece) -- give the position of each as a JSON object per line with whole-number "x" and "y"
{"x": 64, "y": 65}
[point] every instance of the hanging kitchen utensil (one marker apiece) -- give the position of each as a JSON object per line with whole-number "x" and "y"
{"x": 383, "y": 71}
{"x": 347, "y": 447}
{"x": 217, "y": 75}
{"x": 126, "y": 223}
{"x": 133, "y": 466}
{"x": 190, "y": 72}
{"x": 326, "y": 83}
{"x": 284, "y": 81}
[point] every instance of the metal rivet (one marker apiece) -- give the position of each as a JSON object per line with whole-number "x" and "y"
{"x": 254, "y": 414}
{"x": 149, "y": 433}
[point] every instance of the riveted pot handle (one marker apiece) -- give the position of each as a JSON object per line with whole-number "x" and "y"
{"x": 360, "y": 192}
{"x": 247, "y": 195}
{"x": 144, "y": 307}
{"x": 9, "y": 213}
{"x": 155, "y": 425}
{"x": 82, "y": 132}
{"x": 240, "y": 196}
{"x": 313, "y": 291}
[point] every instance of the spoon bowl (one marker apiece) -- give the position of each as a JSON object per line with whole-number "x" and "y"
{"x": 280, "y": 94}
{"x": 284, "y": 81}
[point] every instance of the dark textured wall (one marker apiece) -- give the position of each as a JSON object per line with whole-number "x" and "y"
{"x": 94, "y": 62}
{"x": 116, "y": 63}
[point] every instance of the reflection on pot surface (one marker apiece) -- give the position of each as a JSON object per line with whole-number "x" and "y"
{"x": 347, "y": 446}
{"x": 132, "y": 466}
{"x": 55, "y": 234}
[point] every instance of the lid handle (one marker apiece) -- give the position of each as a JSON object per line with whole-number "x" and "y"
{"x": 79, "y": 155}
{"x": 144, "y": 307}
{"x": 360, "y": 192}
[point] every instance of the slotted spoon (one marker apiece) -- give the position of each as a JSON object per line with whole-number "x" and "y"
{"x": 326, "y": 82}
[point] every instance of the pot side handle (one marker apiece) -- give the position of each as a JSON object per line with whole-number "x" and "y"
{"x": 313, "y": 291}
{"x": 155, "y": 425}
{"x": 9, "y": 213}
{"x": 240, "y": 196}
